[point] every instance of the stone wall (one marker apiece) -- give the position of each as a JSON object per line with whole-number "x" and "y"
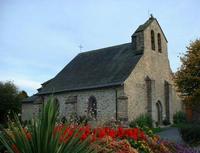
{"x": 106, "y": 103}
{"x": 138, "y": 41}
{"x": 156, "y": 66}
{"x": 30, "y": 110}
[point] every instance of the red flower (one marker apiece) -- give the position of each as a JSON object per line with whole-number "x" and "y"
{"x": 15, "y": 149}
{"x": 120, "y": 132}
{"x": 83, "y": 132}
{"x": 57, "y": 129}
{"x": 87, "y": 130}
{"x": 28, "y": 134}
{"x": 107, "y": 130}
{"x": 93, "y": 138}
{"x": 128, "y": 133}
{"x": 94, "y": 131}
{"x": 111, "y": 133}
{"x": 142, "y": 135}
{"x": 83, "y": 137}
{"x": 101, "y": 133}
{"x": 135, "y": 134}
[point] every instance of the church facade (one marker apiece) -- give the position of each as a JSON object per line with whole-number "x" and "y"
{"x": 119, "y": 82}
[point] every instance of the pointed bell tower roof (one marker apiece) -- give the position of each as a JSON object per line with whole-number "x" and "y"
{"x": 142, "y": 27}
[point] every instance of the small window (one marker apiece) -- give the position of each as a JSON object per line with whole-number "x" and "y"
{"x": 92, "y": 107}
{"x": 152, "y": 40}
{"x": 159, "y": 43}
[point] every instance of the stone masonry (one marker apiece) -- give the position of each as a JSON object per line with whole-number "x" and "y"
{"x": 149, "y": 88}
{"x": 155, "y": 66}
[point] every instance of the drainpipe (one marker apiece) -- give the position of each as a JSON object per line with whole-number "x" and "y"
{"x": 116, "y": 105}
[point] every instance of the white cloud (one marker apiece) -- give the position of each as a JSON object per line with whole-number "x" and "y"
{"x": 27, "y": 84}
{"x": 22, "y": 82}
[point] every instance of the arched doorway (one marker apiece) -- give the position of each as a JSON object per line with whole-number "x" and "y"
{"x": 92, "y": 107}
{"x": 159, "y": 113}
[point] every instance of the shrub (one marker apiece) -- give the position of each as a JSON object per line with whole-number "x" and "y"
{"x": 166, "y": 122}
{"x": 179, "y": 117}
{"x": 142, "y": 121}
{"x": 190, "y": 133}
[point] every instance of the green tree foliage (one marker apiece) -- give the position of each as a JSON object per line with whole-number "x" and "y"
{"x": 23, "y": 94}
{"x": 9, "y": 100}
{"x": 187, "y": 78}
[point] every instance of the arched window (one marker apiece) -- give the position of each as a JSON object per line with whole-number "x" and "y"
{"x": 159, "y": 43}
{"x": 152, "y": 40}
{"x": 92, "y": 107}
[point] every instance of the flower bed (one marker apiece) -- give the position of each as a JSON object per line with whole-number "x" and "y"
{"x": 118, "y": 140}
{"x": 108, "y": 139}
{"x": 98, "y": 133}
{"x": 45, "y": 135}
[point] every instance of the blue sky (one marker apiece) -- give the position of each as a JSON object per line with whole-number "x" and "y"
{"x": 39, "y": 37}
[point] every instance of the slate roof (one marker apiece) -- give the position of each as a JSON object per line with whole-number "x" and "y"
{"x": 30, "y": 99}
{"x": 46, "y": 82}
{"x": 95, "y": 69}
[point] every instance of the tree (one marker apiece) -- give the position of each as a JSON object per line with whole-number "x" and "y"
{"x": 22, "y": 95}
{"x": 187, "y": 78}
{"x": 10, "y": 101}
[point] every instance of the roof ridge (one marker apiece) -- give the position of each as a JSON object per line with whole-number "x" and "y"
{"x": 144, "y": 25}
{"x": 104, "y": 48}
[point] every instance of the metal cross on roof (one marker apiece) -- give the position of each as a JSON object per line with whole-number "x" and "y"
{"x": 80, "y": 47}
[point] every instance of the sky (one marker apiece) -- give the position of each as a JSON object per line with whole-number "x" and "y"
{"x": 39, "y": 37}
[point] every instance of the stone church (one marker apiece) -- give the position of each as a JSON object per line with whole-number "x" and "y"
{"x": 120, "y": 82}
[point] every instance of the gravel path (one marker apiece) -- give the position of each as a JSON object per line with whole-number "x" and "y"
{"x": 171, "y": 134}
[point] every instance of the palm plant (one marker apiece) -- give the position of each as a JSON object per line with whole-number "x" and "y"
{"x": 39, "y": 135}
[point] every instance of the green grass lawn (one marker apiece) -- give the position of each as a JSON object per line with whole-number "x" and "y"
{"x": 157, "y": 130}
